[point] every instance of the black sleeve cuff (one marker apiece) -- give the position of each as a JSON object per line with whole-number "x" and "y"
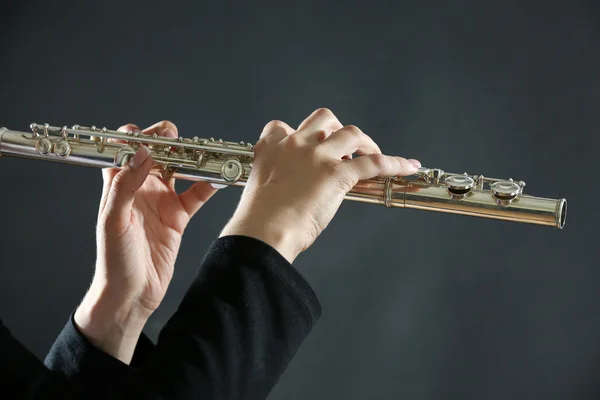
{"x": 257, "y": 253}
{"x": 75, "y": 356}
{"x": 143, "y": 352}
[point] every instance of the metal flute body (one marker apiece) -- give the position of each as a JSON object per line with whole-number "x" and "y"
{"x": 229, "y": 163}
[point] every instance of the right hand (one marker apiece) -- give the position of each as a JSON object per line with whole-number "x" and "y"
{"x": 299, "y": 179}
{"x": 140, "y": 226}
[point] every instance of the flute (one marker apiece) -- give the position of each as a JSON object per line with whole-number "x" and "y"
{"x": 229, "y": 163}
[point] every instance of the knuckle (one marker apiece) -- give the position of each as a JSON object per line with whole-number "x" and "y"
{"x": 128, "y": 128}
{"x": 323, "y": 112}
{"x": 164, "y": 125}
{"x": 272, "y": 125}
{"x": 321, "y": 135}
{"x": 259, "y": 146}
{"x": 354, "y": 131}
{"x": 381, "y": 161}
{"x": 402, "y": 162}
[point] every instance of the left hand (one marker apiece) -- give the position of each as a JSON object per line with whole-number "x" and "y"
{"x": 300, "y": 178}
{"x": 140, "y": 225}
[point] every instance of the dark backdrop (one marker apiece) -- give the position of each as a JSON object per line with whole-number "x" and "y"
{"x": 417, "y": 305}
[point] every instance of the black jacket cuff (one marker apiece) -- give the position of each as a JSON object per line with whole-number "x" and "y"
{"x": 75, "y": 356}
{"x": 258, "y": 253}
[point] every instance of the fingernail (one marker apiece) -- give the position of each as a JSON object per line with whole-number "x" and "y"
{"x": 415, "y": 163}
{"x": 138, "y": 159}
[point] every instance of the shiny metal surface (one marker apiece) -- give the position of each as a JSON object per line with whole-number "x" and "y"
{"x": 229, "y": 163}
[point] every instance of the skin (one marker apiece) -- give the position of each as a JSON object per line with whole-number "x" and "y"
{"x": 298, "y": 181}
{"x": 140, "y": 224}
{"x": 300, "y": 177}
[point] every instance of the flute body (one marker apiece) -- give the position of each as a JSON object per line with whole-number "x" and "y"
{"x": 229, "y": 163}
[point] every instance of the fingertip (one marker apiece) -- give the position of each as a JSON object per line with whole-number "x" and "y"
{"x": 406, "y": 166}
{"x": 128, "y": 128}
{"x": 415, "y": 163}
{"x": 140, "y": 157}
{"x": 198, "y": 194}
{"x": 208, "y": 186}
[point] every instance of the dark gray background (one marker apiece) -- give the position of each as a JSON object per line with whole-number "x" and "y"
{"x": 417, "y": 305}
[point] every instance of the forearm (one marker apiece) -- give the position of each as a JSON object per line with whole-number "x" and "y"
{"x": 241, "y": 322}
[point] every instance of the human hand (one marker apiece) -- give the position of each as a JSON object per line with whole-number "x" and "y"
{"x": 140, "y": 224}
{"x": 300, "y": 178}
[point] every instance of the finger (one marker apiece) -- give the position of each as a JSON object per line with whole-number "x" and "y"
{"x": 195, "y": 197}
{"x": 129, "y": 128}
{"x": 162, "y": 128}
{"x": 108, "y": 174}
{"x": 414, "y": 162}
{"x": 319, "y": 125}
{"x": 126, "y": 128}
{"x": 126, "y": 182}
{"x": 377, "y": 164}
{"x": 349, "y": 140}
{"x": 275, "y": 132}
{"x": 412, "y": 189}
{"x": 165, "y": 129}
{"x": 322, "y": 118}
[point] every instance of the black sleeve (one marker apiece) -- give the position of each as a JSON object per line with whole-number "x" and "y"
{"x": 23, "y": 376}
{"x": 75, "y": 357}
{"x": 237, "y": 328}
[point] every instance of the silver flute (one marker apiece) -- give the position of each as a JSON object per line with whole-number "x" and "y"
{"x": 228, "y": 163}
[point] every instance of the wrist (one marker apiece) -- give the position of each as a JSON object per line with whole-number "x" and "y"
{"x": 271, "y": 233}
{"x": 110, "y": 323}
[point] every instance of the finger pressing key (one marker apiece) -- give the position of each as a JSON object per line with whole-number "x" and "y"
{"x": 377, "y": 164}
{"x": 108, "y": 174}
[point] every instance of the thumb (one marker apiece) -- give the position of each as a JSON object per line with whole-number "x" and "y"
{"x": 126, "y": 182}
